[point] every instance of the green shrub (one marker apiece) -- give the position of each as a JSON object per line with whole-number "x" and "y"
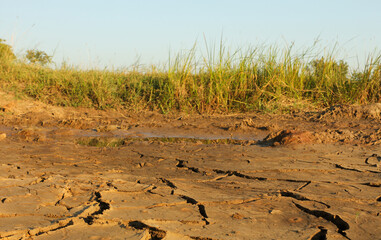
{"x": 6, "y": 53}
{"x": 39, "y": 57}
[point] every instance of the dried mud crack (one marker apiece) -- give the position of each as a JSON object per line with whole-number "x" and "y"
{"x": 50, "y": 229}
{"x": 321, "y": 235}
{"x": 168, "y": 183}
{"x": 341, "y": 225}
{"x": 201, "y": 208}
{"x": 182, "y": 164}
{"x": 155, "y": 233}
{"x": 241, "y": 175}
{"x": 103, "y": 206}
{"x": 303, "y": 186}
{"x": 202, "y": 238}
{"x": 286, "y": 193}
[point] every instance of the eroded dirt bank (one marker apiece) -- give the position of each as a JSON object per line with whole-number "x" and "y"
{"x": 85, "y": 174}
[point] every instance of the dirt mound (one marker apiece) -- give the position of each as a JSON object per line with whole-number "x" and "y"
{"x": 286, "y": 137}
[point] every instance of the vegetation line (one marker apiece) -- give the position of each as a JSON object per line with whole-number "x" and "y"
{"x": 219, "y": 81}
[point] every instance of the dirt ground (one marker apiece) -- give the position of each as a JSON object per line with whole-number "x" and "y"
{"x": 71, "y": 173}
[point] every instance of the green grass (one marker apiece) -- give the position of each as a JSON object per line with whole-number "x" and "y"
{"x": 217, "y": 80}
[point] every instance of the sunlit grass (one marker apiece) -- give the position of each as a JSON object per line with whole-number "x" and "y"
{"x": 213, "y": 80}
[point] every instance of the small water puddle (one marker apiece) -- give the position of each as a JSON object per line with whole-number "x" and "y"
{"x": 121, "y": 137}
{"x": 165, "y": 134}
{"x": 197, "y": 134}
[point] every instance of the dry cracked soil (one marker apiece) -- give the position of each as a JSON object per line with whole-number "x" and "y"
{"x": 71, "y": 173}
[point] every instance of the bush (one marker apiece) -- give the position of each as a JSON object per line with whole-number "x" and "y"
{"x": 6, "y": 53}
{"x": 39, "y": 57}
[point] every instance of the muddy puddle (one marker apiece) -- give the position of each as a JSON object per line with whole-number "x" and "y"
{"x": 164, "y": 135}
{"x": 171, "y": 134}
{"x": 121, "y": 137}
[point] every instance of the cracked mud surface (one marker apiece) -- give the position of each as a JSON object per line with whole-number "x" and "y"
{"x": 315, "y": 175}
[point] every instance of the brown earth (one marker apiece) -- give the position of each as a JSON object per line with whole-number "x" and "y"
{"x": 302, "y": 175}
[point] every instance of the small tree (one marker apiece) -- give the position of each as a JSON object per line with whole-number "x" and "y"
{"x": 37, "y": 56}
{"x": 6, "y": 53}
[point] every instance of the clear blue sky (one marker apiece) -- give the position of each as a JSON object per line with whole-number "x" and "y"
{"x": 114, "y": 33}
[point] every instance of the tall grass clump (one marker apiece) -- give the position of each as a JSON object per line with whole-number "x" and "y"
{"x": 215, "y": 79}
{"x": 367, "y": 83}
